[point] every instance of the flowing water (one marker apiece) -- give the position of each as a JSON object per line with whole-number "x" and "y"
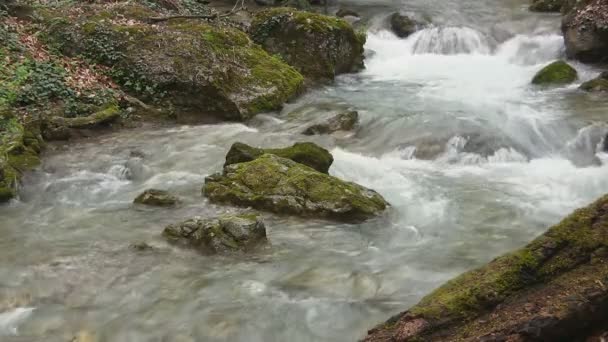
{"x": 474, "y": 160}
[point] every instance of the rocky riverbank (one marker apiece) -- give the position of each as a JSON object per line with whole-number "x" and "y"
{"x": 69, "y": 70}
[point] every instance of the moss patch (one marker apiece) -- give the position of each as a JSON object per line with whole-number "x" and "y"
{"x": 283, "y": 186}
{"x": 319, "y": 46}
{"x": 558, "y": 72}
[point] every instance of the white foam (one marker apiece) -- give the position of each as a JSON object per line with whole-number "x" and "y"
{"x": 10, "y": 320}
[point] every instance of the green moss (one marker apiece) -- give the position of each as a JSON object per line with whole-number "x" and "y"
{"x": 558, "y": 72}
{"x": 597, "y": 84}
{"x": 6, "y": 194}
{"x": 306, "y": 153}
{"x": 281, "y": 185}
{"x": 300, "y": 37}
{"x": 561, "y": 248}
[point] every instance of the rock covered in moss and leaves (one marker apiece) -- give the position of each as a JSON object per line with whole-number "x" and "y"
{"x": 195, "y": 69}
{"x": 553, "y": 289}
{"x": 598, "y": 84}
{"x": 319, "y": 46}
{"x": 306, "y": 153}
{"x": 402, "y": 25}
{"x": 585, "y": 29}
{"x": 19, "y": 152}
{"x": 226, "y": 233}
{"x": 158, "y": 198}
{"x": 283, "y": 186}
{"x": 546, "y": 5}
{"x": 556, "y": 73}
{"x": 344, "y": 121}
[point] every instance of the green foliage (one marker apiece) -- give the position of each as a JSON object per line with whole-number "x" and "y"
{"x": 43, "y": 81}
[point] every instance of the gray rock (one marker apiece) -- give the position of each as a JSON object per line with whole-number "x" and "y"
{"x": 227, "y": 233}
{"x": 403, "y": 26}
{"x": 585, "y": 29}
{"x": 344, "y": 121}
{"x": 154, "y": 197}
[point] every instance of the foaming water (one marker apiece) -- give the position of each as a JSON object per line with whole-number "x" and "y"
{"x": 473, "y": 159}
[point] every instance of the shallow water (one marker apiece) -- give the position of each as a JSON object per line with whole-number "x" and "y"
{"x": 474, "y": 160}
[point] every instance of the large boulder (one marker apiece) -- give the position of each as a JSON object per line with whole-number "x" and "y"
{"x": 283, "y": 186}
{"x": 193, "y": 69}
{"x": 402, "y": 25}
{"x": 157, "y": 198}
{"x": 585, "y": 29}
{"x": 307, "y": 153}
{"x": 553, "y": 289}
{"x": 344, "y": 121}
{"x": 598, "y": 84}
{"x": 227, "y": 233}
{"x": 20, "y": 146}
{"x": 556, "y": 73}
{"x": 319, "y": 46}
{"x": 546, "y": 5}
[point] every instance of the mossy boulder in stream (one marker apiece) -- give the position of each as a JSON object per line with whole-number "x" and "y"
{"x": 19, "y": 150}
{"x": 283, "y": 186}
{"x": 227, "y": 233}
{"x": 319, "y": 46}
{"x": 546, "y": 5}
{"x": 344, "y": 121}
{"x": 307, "y": 153}
{"x": 158, "y": 198}
{"x": 553, "y": 289}
{"x": 598, "y": 84}
{"x": 196, "y": 70}
{"x": 556, "y": 73}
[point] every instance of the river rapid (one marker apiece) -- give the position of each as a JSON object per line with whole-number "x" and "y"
{"x": 474, "y": 160}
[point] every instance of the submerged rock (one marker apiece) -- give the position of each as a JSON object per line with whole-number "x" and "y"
{"x": 553, "y": 289}
{"x": 345, "y": 121}
{"x": 227, "y": 233}
{"x": 154, "y": 197}
{"x": 598, "y": 84}
{"x": 345, "y": 12}
{"x": 283, "y": 186}
{"x": 193, "y": 69}
{"x": 402, "y": 25}
{"x": 307, "y": 153}
{"x": 319, "y": 46}
{"x": 546, "y": 5}
{"x": 585, "y": 29}
{"x": 558, "y": 72}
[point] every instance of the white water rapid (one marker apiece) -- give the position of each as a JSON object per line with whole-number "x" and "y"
{"x": 474, "y": 160}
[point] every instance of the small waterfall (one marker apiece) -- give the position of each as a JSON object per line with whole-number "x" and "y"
{"x": 529, "y": 50}
{"x": 449, "y": 41}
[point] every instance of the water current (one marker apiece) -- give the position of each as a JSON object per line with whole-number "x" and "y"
{"x": 474, "y": 160}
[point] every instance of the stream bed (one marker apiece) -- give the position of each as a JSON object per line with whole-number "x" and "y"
{"x": 474, "y": 160}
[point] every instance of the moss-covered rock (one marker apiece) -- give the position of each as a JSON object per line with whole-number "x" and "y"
{"x": 158, "y": 198}
{"x": 546, "y": 5}
{"x": 530, "y": 287}
{"x": 598, "y": 84}
{"x": 403, "y": 25}
{"x": 195, "y": 69}
{"x": 585, "y": 30}
{"x": 558, "y": 72}
{"x": 344, "y": 121}
{"x": 319, "y": 46}
{"x": 307, "y": 153}
{"x": 227, "y": 233}
{"x": 283, "y": 186}
{"x": 19, "y": 152}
